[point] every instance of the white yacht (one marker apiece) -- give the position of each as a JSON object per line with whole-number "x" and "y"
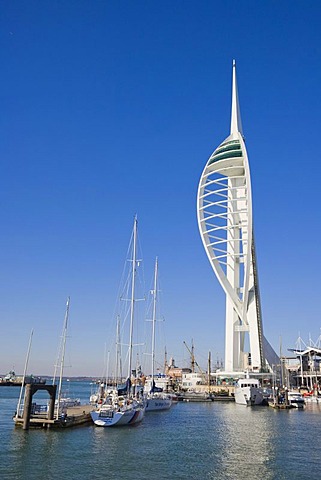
{"x": 248, "y": 392}
{"x": 122, "y": 406}
{"x": 118, "y": 410}
{"x": 296, "y": 399}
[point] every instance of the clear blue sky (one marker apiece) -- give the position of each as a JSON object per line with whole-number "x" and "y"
{"x": 111, "y": 108}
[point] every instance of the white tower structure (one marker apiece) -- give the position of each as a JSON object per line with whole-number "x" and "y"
{"x": 224, "y": 208}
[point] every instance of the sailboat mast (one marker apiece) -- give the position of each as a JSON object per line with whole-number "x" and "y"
{"x": 119, "y": 373}
{"x": 165, "y": 362}
{"x": 24, "y": 372}
{"x": 107, "y": 370}
{"x": 154, "y": 317}
{"x": 209, "y": 372}
{"x": 132, "y": 301}
{"x": 62, "y": 359}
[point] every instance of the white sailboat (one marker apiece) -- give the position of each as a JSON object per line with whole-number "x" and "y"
{"x": 120, "y": 407}
{"x": 156, "y": 399}
{"x": 20, "y": 407}
{"x": 63, "y": 401}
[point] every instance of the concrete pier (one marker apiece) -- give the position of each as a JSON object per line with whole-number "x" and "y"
{"x": 44, "y": 417}
{"x": 74, "y": 416}
{"x": 31, "y": 389}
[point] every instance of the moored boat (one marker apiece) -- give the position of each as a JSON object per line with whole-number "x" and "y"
{"x": 156, "y": 399}
{"x": 68, "y": 402}
{"x": 122, "y": 406}
{"x": 312, "y": 397}
{"x": 64, "y": 400}
{"x": 118, "y": 410}
{"x": 158, "y": 402}
{"x": 249, "y": 392}
{"x": 295, "y": 399}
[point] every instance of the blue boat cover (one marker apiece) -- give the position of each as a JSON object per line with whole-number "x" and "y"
{"x": 125, "y": 388}
{"x": 154, "y": 388}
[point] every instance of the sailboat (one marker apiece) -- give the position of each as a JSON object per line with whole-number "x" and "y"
{"x": 155, "y": 398}
{"x": 120, "y": 406}
{"x": 63, "y": 401}
{"x": 20, "y": 406}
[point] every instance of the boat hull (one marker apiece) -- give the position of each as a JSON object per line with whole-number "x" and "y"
{"x": 157, "y": 404}
{"x": 111, "y": 417}
{"x": 249, "y": 396}
{"x": 296, "y": 399}
{"x": 138, "y": 416}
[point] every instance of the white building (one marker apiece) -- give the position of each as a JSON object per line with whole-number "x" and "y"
{"x": 191, "y": 381}
{"x": 224, "y": 207}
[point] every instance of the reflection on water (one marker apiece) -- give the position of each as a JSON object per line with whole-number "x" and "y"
{"x": 190, "y": 441}
{"x": 246, "y": 443}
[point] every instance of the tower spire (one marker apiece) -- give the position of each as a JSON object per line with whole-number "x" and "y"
{"x": 236, "y": 123}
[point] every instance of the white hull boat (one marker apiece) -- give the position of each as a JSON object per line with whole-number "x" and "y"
{"x": 99, "y": 396}
{"x": 311, "y": 397}
{"x": 122, "y": 407}
{"x": 68, "y": 402}
{"x": 296, "y": 399}
{"x": 248, "y": 392}
{"x": 109, "y": 415}
{"x": 158, "y": 401}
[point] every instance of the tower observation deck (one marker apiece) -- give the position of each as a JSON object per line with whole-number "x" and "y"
{"x": 225, "y": 219}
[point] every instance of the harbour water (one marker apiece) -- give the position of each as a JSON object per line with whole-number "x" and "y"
{"x": 189, "y": 441}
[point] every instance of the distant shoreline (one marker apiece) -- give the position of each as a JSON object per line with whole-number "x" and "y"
{"x": 10, "y": 384}
{"x": 49, "y": 377}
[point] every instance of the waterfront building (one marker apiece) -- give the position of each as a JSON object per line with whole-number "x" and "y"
{"x": 192, "y": 381}
{"x": 175, "y": 373}
{"x": 306, "y": 371}
{"x": 225, "y": 219}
